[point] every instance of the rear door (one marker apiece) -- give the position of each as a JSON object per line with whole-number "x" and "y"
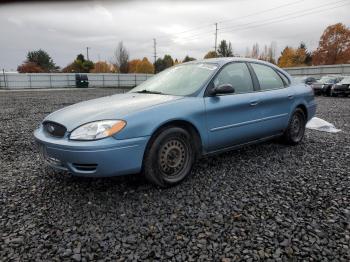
{"x": 276, "y": 100}
{"x": 232, "y": 118}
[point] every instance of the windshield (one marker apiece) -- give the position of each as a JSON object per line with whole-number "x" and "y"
{"x": 346, "y": 80}
{"x": 180, "y": 80}
{"x": 327, "y": 80}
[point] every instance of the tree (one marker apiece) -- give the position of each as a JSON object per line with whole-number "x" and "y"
{"x": 225, "y": 50}
{"x": 168, "y": 61}
{"x": 102, "y": 67}
{"x": 121, "y": 58}
{"x": 159, "y": 65}
{"x": 164, "y": 63}
{"x": 308, "y": 56}
{"x": 294, "y": 57}
{"x": 80, "y": 65}
{"x": 211, "y": 54}
{"x": 334, "y": 46}
{"x": 188, "y": 59}
{"x": 145, "y": 67}
{"x": 286, "y": 58}
{"x": 132, "y": 65}
{"x": 42, "y": 59}
{"x": 255, "y": 51}
{"x": 29, "y": 67}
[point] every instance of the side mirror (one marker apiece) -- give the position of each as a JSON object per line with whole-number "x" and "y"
{"x": 222, "y": 89}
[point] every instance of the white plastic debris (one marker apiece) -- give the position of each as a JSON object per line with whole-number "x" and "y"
{"x": 321, "y": 125}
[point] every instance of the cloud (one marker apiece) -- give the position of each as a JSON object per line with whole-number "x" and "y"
{"x": 65, "y": 29}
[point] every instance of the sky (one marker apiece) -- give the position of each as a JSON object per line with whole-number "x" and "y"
{"x": 65, "y": 29}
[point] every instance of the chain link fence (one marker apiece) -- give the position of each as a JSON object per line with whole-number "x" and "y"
{"x": 61, "y": 80}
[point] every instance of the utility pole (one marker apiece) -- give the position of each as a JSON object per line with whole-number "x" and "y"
{"x": 216, "y": 36}
{"x": 87, "y": 53}
{"x": 155, "y": 49}
{"x": 155, "y": 53}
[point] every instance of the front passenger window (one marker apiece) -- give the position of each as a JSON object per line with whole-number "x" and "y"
{"x": 237, "y": 75}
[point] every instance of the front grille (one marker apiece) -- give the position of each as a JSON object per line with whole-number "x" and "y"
{"x": 54, "y": 129}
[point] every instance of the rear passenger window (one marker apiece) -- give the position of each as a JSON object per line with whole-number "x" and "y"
{"x": 285, "y": 79}
{"x": 237, "y": 75}
{"x": 268, "y": 78}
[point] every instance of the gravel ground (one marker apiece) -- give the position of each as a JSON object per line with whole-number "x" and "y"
{"x": 263, "y": 202}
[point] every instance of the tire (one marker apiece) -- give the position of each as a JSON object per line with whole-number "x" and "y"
{"x": 296, "y": 128}
{"x": 169, "y": 158}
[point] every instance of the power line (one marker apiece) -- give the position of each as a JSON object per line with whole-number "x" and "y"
{"x": 283, "y": 16}
{"x": 238, "y": 18}
{"x": 273, "y": 19}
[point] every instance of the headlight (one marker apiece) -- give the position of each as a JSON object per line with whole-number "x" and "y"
{"x": 97, "y": 130}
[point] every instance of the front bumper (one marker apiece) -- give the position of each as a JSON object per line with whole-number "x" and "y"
{"x": 100, "y": 158}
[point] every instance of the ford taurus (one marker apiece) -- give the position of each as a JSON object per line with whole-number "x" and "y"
{"x": 162, "y": 126}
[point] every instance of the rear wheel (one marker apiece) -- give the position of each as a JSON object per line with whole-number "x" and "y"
{"x": 170, "y": 157}
{"x": 295, "y": 132}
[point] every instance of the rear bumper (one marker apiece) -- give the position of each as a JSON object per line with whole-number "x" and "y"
{"x": 101, "y": 158}
{"x": 341, "y": 91}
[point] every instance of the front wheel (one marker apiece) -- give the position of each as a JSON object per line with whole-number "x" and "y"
{"x": 295, "y": 131}
{"x": 169, "y": 158}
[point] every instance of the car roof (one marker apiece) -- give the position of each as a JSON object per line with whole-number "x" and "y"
{"x": 225, "y": 60}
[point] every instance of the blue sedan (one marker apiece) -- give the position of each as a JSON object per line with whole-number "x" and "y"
{"x": 163, "y": 125}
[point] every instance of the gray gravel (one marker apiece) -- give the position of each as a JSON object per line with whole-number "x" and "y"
{"x": 263, "y": 202}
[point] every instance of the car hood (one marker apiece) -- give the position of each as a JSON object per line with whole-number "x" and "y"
{"x": 110, "y": 107}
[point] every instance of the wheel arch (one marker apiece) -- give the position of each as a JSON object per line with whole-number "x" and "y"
{"x": 185, "y": 124}
{"x": 304, "y": 109}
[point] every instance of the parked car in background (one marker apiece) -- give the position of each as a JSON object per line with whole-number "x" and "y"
{"x": 307, "y": 80}
{"x": 163, "y": 125}
{"x": 341, "y": 88}
{"x": 324, "y": 85}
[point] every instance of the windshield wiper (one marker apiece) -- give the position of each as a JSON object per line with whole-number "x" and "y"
{"x": 145, "y": 91}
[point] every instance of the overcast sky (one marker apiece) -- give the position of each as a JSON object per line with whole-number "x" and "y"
{"x": 65, "y": 29}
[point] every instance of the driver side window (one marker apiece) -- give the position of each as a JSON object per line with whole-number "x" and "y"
{"x": 237, "y": 75}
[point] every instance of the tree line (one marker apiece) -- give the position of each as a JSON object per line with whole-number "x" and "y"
{"x": 333, "y": 48}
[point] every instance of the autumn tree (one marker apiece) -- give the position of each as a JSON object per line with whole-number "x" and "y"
{"x": 79, "y": 65}
{"x": 29, "y": 67}
{"x": 225, "y": 50}
{"x": 211, "y": 54}
{"x": 102, "y": 67}
{"x": 308, "y": 55}
{"x": 287, "y": 57}
{"x": 132, "y": 65}
{"x": 121, "y": 56}
{"x": 294, "y": 56}
{"x": 188, "y": 59}
{"x": 334, "y": 46}
{"x": 145, "y": 67}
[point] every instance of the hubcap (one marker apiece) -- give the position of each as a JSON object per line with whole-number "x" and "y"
{"x": 297, "y": 127}
{"x": 173, "y": 156}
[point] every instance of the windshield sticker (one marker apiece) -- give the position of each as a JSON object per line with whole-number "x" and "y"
{"x": 207, "y": 66}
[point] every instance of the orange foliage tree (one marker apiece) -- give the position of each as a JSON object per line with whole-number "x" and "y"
{"x": 145, "y": 67}
{"x": 29, "y": 67}
{"x": 102, "y": 67}
{"x": 132, "y": 65}
{"x": 334, "y": 46}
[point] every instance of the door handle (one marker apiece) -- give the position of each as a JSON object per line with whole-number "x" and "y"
{"x": 254, "y": 103}
{"x": 290, "y": 96}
